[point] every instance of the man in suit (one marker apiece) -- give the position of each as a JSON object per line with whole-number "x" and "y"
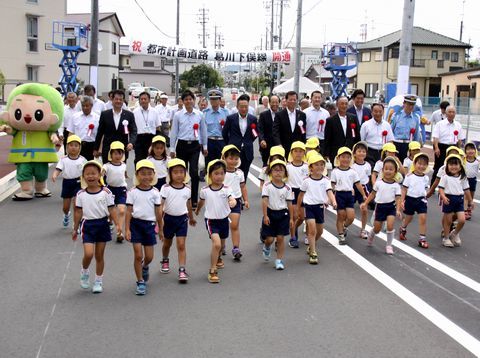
{"x": 341, "y": 130}
{"x": 358, "y": 109}
{"x": 115, "y": 124}
{"x": 290, "y": 124}
{"x": 240, "y": 129}
{"x": 265, "y": 128}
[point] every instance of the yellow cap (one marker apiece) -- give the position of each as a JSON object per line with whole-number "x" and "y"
{"x": 312, "y": 143}
{"x": 416, "y": 157}
{"x": 278, "y": 161}
{"x": 83, "y": 183}
{"x": 453, "y": 147}
{"x": 389, "y": 147}
{"x": 296, "y": 145}
{"x": 309, "y": 154}
{"x": 359, "y": 143}
{"x": 314, "y": 158}
{"x": 414, "y": 145}
{"x": 74, "y": 138}
{"x": 176, "y": 161}
{"x": 210, "y": 164}
{"x": 159, "y": 138}
{"x": 277, "y": 150}
{"x": 229, "y": 147}
{"x": 145, "y": 163}
{"x": 117, "y": 145}
{"x": 341, "y": 151}
{"x": 462, "y": 162}
{"x": 474, "y": 146}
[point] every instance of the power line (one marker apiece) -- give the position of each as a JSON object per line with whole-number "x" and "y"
{"x": 148, "y": 18}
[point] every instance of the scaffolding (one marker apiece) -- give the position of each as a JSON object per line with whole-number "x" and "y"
{"x": 338, "y": 58}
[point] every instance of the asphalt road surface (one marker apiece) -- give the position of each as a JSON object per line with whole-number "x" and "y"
{"x": 357, "y": 302}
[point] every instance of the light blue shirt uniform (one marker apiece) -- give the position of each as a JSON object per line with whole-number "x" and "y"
{"x": 213, "y": 119}
{"x": 182, "y": 128}
{"x": 402, "y": 124}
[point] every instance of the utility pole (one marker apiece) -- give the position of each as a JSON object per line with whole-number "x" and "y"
{"x": 203, "y": 20}
{"x": 94, "y": 45}
{"x": 280, "y": 25}
{"x": 271, "y": 26}
{"x": 405, "y": 47}
{"x": 461, "y": 22}
{"x": 298, "y": 48}
{"x": 177, "y": 75}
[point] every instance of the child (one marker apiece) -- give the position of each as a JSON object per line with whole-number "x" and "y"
{"x": 297, "y": 171}
{"x": 70, "y": 167}
{"x": 143, "y": 213}
{"x": 115, "y": 172}
{"x": 414, "y": 199}
{"x": 235, "y": 180}
{"x": 276, "y": 152}
{"x": 387, "y": 194}
{"x": 315, "y": 193}
{"x": 441, "y": 171}
{"x": 388, "y": 150}
{"x": 313, "y": 144}
{"x": 471, "y": 169}
{"x": 158, "y": 156}
{"x": 277, "y": 209}
{"x": 364, "y": 171}
{"x": 218, "y": 200}
{"x": 452, "y": 188}
{"x": 176, "y": 210}
{"x": 93, "y": 205}
{"x": 344, "y": 178}
{"x": 413, "y": 149}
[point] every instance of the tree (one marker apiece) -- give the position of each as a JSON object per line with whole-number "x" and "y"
{"x": 201, "y": 76}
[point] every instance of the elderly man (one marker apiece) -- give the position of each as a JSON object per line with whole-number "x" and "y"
{"x": 265, "y": 128}
{"x": 85, "y": 125}
{"x": 405, "y": 126}
{"x": 215, "y": 118}
{"x": 376, "y": 133}
{"x": 304, "y": 104}
{"x": 446, "y": 133}
{"x": 165, "y": 113}
{"x": 68, "y": 111}
{"x": 262, "y": 107}
{"x": 341, "y": 130}
{"x": 148, "y": 122}
{"x": 98, "y": 104}
{"x": 358, "y": 109}
{"x": 316, "y": 119}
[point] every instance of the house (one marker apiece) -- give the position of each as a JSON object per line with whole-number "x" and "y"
{"x": 432, "y": 54}
{"x": 461, "y": 84}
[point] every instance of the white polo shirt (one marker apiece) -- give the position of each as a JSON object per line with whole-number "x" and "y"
{"x": 314, "y": 128}
{"x": 115, "y": 174}
{"x": 371, "y": 132}
{"x": 416, "y": 185}
{"x": 233, "y": 181}
{"x": 444, "y": 132}
{"x": 386, "y": 192}
{"x": 175, "y": 200}
{"x": 79, "y": 125}
{"x": 296, "y": 174}
{"x": 71, "y": 168}
{"x": 453, "y": 185}
{"x": 316, "y": 190}
{"x": 94, "y": 205}
{"x": 278, "y": 197}
{"x": 68, "y": 113}
{"x": 471, "y": 168}
{"x": 364, "y": 172}
{"x": 143, "y": 203}
{"x": 437, "y": 116}
{"x": 344, "y": 180}
{"x": 164, "y": 112}
{"x": 161, "y": 168}
{"x": 216, "y": 202}
{"x": 147, "y": 120}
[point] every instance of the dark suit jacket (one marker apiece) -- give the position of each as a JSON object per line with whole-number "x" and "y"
{"x": 232, "y": 135}
{"x": 265, "y": 127}
{"x": 335, "y": 137}
{"x": 282, "y": 131}
{"x": 366, "y": 112}
{"x": 109, "y": 134}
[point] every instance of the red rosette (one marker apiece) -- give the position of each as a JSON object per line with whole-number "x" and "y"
{"x": 90, "y": 129}
{"x": 353, "y": 126}
{"x": 366, "y": 118}
{"x": 253, "y": 126}
{"x": 455, "y": 135}
{"x": 455, "y": 132}
{"x": 222, "y": 122}
{"x": 384, "y": 135}
{"x": 412, "y": 133}
{"x": 195, "y": 130}
{"x": 321, "y": 122}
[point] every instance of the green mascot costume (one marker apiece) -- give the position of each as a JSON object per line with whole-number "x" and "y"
{"x": 34, "y": 113}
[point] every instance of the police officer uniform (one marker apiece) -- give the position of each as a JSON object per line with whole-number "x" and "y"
{"x": 214, "y": 119}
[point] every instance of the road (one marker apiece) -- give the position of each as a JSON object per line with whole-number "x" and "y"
{"x": 358, "y": 302}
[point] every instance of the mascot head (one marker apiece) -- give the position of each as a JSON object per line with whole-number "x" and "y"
{"x": 34, "y": 107}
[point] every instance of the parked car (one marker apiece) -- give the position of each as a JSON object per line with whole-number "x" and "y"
{"x": 153, "y": 91}
{"x": 135, "y": 92}
{"x": 133, "y": 85}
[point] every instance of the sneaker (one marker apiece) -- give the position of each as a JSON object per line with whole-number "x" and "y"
{"x": 279, "y": 265}
{"x": 364, "y": 234}
{"x": 145, "y": 274}
{"x": 182, "y": 275}
{"x": 237, "y": 253}
{"x": 213, "y": 276}
{"x": 447, "y": 242}
{"x": 119, "y": 238}
{"x": 455, "y": 239}
{"x": 220, "y": 263}
{"x": 165, "y": 268}
{"x": 313, "y": 258}
{"x": 293, "y": 243}
{"x": 85, "y": 280}
{"x": 370, "y": 240}
{"x": 389, "y": 249}
{"x": 141, "y": 289}
{"x": 224, "y": 252}
{"x": 345, "y": 230}
{"x": 403, "y": 234}
{"x": 266, "y": 253}
{"x": 66, "y": 219}
{"x": 305, "y": 240}
{"x": 342, "y": 239}
{"x": 97, "y": 287}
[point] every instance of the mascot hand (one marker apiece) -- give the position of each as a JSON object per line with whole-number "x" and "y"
{"x": 54, "y": 138}
{"x": 6, "y": 129}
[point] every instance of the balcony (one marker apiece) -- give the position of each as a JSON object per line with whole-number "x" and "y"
{"x": 417, "y": 63}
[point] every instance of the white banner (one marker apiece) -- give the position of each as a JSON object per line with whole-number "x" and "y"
{"x": 139, "y": 47}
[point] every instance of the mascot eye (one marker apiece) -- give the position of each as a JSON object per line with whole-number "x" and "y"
{"x": 38, "y": 115}
{"x": 18, "y": 114}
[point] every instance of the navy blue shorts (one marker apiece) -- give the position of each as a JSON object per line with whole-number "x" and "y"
{"x": 237, "y": 209}
{"x": 345, "y": 199}
{"x": 143, "y": 232}
{"x": 120, "y": 193}
{"x": 175, "y": 226}
{"x": 218, "y": 226}
{"x": 70, "y": 188}
{"x": 415, "y": 205}
{"x": 384, "y": 210}
{"x": 316, "y": 212}
{"x": 456, "y": 204}
{"x": 472, "y": 182}
{"x": 96, "y": 230}
{"x": 160, "y": 183}
{"x": 358, "y": 196}
{"x": 279, "y": 223}
{"x": 296, "y": 193}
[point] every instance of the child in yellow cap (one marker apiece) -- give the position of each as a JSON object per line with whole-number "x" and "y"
{"x": 413, "y": 149}
{"x": 364, "y": 171}
{"x": 158, "y": 156}
{"x": 388, "y": 150}
{"x": 472, "y": 164}
{"x": 276, "y": 152}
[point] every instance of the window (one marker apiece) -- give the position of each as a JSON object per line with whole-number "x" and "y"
{"x": 32, "y": 1}
{"x": 127, "y": 61}
{"x": 148, "y": 64}
{"x": 32, "y": 33}
{"x": 448, "y": 89}
{"x": 414, "y": 89}
{"x": 378, "y": 55}
{"x": 446, "y": 56}
{"x": 395, "y": 52}
{"x": 114, "y": 48}
{"x": 169, "y": 61}
{"x": 434, "y": 55}
{"x": 454, "y": 56}
{"x": 32, "y": 73}
{"x": 440, "y": 63}
{"x": 365, "y": 56}
{"x": 370, "y": 89}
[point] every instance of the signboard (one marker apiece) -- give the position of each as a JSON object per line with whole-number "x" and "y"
{"x": 139, "y": 47}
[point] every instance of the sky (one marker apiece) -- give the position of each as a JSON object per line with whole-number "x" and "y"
{"x": 243, "y": 22}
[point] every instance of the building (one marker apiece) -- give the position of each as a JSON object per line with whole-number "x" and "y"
{"x": 461, "y": 84}
{"x": 152, "y": 71}
{"x": 109, "y": 33}
{"x": 310, "y": 56}
{"x": 27, "y": 55}
{"x": 432, "y": 54}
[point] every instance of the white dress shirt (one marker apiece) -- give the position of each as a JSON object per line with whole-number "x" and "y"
{"x": 68, "y": 113}
{"x": 242, "y": 122}
{"x": 292, "y": 118}
{"x": 164, "y": 112}
{"x": 116, "y": 117}
{"x": 359, "y": 114}
{"x": 444, "y": 132}
{"x": 314, "y": 129}
{"x": 343, "y": 121}
{"x": 372, "y": 132}
{"x": 79, "y": 126}
{"x": 146, "y": 120}
{"x": 437, "y": 116}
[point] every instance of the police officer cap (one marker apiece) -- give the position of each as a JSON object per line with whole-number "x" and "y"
{"x": 410, "y": 98}
{"x": 214, "y": 94}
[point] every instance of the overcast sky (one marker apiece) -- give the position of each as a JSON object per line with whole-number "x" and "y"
{"x": 243, "y": 22}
